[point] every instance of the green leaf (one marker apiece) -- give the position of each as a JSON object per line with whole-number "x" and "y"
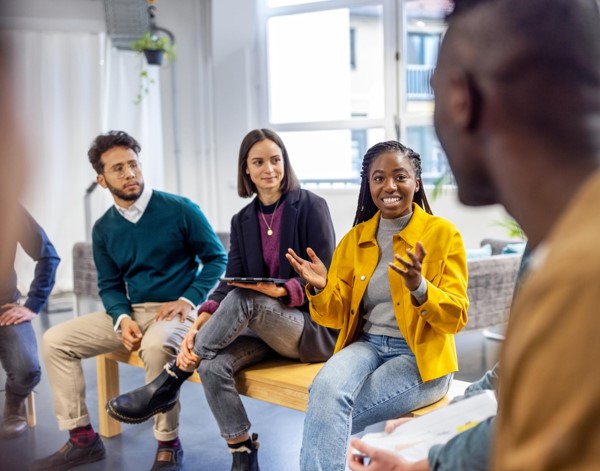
{"x": 155, "y": 43}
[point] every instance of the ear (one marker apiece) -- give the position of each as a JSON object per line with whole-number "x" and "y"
{"x": 464, "y": 100}
{"x": 101, "y": 181}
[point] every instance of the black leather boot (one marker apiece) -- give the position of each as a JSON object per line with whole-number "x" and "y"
{"x": 245, "y": 458}
{"x": 160, "y": 395}
{"x": 15, "y": 417}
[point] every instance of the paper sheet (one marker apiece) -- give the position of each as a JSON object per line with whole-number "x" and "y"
{"x": 413, "y": 439}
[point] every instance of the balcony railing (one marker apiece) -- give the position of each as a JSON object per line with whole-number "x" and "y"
{"x": 417, "y": 82}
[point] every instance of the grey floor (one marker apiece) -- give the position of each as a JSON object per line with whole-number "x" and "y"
{"x": 280, "y": 429}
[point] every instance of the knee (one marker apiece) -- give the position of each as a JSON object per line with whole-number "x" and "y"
{"x": 323, "y": 388}
{"x": 28, "y": 378}
{"x": 238, "y": 301}
{"x": 156, "y": 353}
{"x": 52, "y": 340}
{"x": 211, "y": 369}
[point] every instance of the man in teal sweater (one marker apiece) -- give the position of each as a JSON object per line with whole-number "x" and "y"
{"x": 157, "y": 258}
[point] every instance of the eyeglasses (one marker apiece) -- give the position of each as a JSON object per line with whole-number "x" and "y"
{"x": 121, "y": 170}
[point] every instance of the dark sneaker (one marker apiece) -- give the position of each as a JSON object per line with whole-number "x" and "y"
{"x": 246, "y": 458}
{"x": 168, "y": 458}
{"x": 70, "y": 456}
{"x": 160, "y": 395}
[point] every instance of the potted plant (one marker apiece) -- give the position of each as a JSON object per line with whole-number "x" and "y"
{"x": 155, "y": 48}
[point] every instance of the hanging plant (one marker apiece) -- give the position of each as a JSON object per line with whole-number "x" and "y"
{"x": 145, "y": 82}
{"x": 155, "y": 48}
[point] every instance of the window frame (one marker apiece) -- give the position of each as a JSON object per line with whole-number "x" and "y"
{"x": 396, "y": 118}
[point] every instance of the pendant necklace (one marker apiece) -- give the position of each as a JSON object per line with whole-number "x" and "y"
{"x": 269, "y": 226}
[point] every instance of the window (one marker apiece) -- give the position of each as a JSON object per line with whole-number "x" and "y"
{"x": 339, "y": 81}
{"x": 421, "y": 57}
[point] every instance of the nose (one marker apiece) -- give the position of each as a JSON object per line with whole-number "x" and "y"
{"x": 390, "y": 184}
{"x": 130, "y": 171}
{"x": 269, "y": 167}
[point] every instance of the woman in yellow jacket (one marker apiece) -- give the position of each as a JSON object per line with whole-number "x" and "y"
{"x": 397, "y": 291}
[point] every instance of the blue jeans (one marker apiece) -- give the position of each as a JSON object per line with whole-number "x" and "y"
{"x": 374, "y": 379}
{"x": 19, "y": 358}
{"x": 246, "y": 328}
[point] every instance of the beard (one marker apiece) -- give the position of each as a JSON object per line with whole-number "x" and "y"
{"x": 125, "y": 196}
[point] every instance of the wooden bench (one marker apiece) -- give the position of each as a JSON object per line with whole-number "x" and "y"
{"x": 278, "y": 381}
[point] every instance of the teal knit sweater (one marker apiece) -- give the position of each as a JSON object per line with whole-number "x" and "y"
{"x": 171, "y": 252}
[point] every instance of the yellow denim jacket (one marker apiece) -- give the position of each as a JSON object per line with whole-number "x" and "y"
{"x": 429, "y": 328}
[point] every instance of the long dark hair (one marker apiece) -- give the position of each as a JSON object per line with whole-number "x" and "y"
{"x": 245, "y": 186}
{"x": 366, "y": 208}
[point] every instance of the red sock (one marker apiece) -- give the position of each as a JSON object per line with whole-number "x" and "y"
{"x": 82, "y": 436}
{"x": 171, "y": 443}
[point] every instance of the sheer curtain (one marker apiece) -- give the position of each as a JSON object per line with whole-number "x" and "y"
{"x": 71, "y": 87}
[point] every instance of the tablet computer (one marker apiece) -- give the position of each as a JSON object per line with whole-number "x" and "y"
{"x": 252, "y": 280}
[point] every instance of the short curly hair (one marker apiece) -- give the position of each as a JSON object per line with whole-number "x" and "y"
{"x": 105, "y": 142}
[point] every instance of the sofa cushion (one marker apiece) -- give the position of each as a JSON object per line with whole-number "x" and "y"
{"x": 481, "y": 252}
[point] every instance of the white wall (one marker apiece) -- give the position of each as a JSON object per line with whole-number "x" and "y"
{"x": 57, "y": 15}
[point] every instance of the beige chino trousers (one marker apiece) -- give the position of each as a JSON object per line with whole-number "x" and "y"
{"x": 65, "y": 345}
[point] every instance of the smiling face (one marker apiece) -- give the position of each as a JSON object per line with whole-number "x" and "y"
{"x": 265, "y": 167}
{"x": 393, "y": 184}
{"x": 122, "y": 175}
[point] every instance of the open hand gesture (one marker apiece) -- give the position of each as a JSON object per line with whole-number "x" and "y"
{"x": 313, "y": 271}
{"x": 412, "y": 269}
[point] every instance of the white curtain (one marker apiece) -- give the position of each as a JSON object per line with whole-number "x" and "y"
{"x": 70, "y": 88}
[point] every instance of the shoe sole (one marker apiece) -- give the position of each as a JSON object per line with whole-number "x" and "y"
{"x": 65, "y": 466}
{"x": 13, "y": 434}
{"x": 135, "y": 420}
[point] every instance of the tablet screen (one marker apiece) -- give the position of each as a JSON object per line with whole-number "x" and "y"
{"x": 250, "y": 279}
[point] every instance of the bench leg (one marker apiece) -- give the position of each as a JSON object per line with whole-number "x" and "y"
{"x": 107, "y": 372}
{"x": 31, "y": 410}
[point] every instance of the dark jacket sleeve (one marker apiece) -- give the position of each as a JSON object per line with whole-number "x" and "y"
{"x": 35, "y": 242}
{"x": 468, "y": 451}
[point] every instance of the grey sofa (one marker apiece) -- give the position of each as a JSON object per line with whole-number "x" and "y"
{"x": 490, "y": 288}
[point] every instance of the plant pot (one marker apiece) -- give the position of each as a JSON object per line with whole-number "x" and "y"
{"x": 154, "y": 56}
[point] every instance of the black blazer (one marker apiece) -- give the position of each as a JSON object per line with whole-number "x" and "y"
{"x": 306, "y": 222}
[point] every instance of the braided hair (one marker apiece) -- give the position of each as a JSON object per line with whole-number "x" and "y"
{"x": 366, "y": 208}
